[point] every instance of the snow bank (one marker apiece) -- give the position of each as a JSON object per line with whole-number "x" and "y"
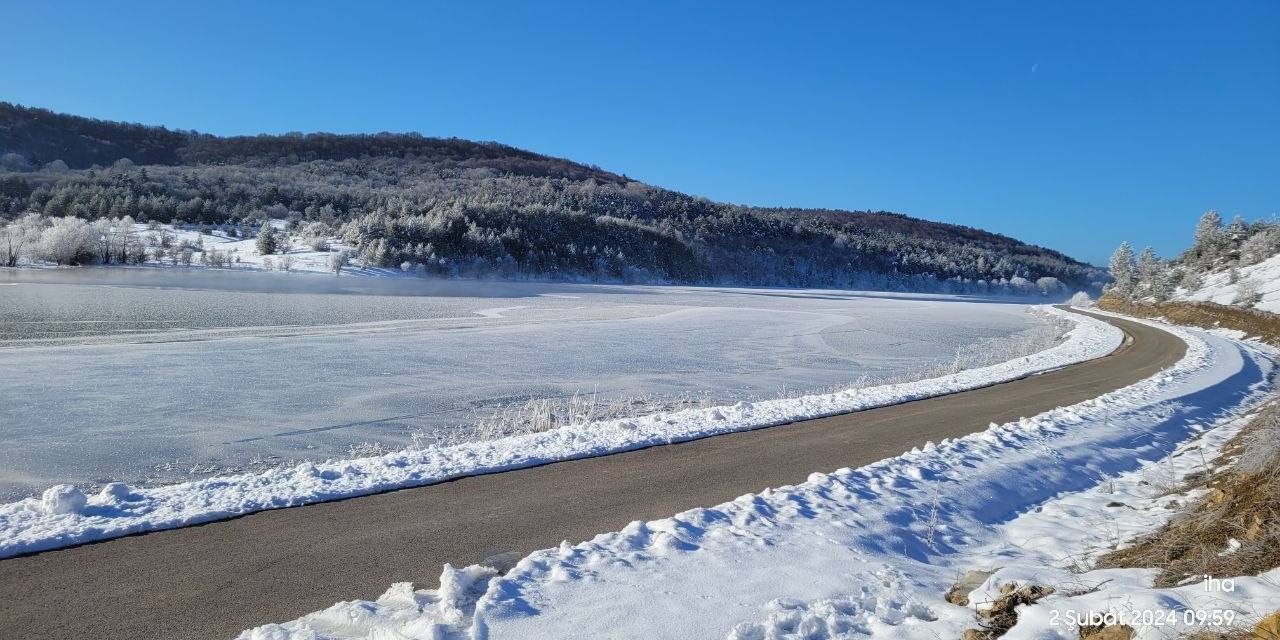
{"x": 871, "y": 551}
{"x": 27, "y": 526}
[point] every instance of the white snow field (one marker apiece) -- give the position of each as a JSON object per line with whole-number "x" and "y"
{"x": 152, "y": 376}
{"x": 63, "y": 515}
{"x": 870, "y": 552}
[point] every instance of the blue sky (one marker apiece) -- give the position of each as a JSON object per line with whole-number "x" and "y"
{"x": 1072, "y": 125}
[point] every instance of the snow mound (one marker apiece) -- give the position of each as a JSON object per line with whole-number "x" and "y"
{"x": 63, "y": 499}
{"x": 399, "y": 614}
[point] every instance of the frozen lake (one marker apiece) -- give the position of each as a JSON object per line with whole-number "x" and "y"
{"x": 157, "y": 376}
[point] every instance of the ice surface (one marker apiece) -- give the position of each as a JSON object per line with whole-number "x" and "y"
{"x": 152, "y": 375}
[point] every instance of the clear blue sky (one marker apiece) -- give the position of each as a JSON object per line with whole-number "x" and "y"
{"x": 1072, "y": 125}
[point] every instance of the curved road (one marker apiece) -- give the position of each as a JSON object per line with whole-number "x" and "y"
{"x": 213, "y": 580}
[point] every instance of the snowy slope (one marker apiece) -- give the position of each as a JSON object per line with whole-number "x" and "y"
{"x": 64, "y": 516}
{"x": 1218, "y": 288}
{"x": 869, "y": 552}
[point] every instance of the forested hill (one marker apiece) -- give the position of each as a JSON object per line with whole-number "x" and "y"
{"x": 479, "y": 208}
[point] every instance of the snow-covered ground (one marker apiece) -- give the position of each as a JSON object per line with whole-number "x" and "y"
{"x": 870, "y": 552}
{"x": 242, "y": 253}
{"x": 1264, "y": 277}
{"x": 156, "y": 375}
{"x": 63, "y": 515}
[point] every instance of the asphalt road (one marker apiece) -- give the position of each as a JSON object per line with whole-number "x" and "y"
{"x": 213, "y": 580}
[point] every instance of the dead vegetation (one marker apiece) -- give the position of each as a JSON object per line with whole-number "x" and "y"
{"x": 1267, "y": 628}
{"x": 1258, "y": 324}
{"x": 1106, "y": 632}
{"x": 996, "y": 620}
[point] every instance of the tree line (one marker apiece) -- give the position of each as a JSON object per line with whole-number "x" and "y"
{"x": 1216, "y": 248}
{"x": 463, "y": 208}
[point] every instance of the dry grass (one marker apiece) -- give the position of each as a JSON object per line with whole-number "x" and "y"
{"x": 1224, "y": 634}
{"x": 998, "y": 618}
{"x": 1258, "y": 324}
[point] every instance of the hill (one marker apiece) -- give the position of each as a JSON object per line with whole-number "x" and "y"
{"x": 1236, "y": 264}
{"x": 485, "y": 209}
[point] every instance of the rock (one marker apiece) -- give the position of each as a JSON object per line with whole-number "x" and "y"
{"x": 958, "y": 594}
{"x": 974, "y": 634}
{"x": 1108, "y": 632}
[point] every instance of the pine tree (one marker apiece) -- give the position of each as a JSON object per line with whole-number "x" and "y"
{"x": 267, "y": 241}
{"x": 1152, "y": 275}
{"x": 1209, "y": 237}
{"x": 1233, "y": 236}
{"x": 1122, "y": 269}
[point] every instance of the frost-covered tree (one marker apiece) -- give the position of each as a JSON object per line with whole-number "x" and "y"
{"x": 1264, "y": 243}
{"x": 14, "y": 162}
{"x": 1191, "y": 279}
{"x": 1153, "y": 276}
{"x": 67, "y": 241}
{"x": 267, "y": 241}
{"x": 1121, "y": 269}
{"x": 316, "y": 235}
{"x": 1080, "y": 299}
{"x": 1234, "y": 235}
{"x": 1148, "y": 264}
{"x": 17, "y": 238}
{"x": 1247, "y": 294}
{"x": 1209, "y": 239}
{"x": 338, "y": 260}
{"x": 1048, "y": 285}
